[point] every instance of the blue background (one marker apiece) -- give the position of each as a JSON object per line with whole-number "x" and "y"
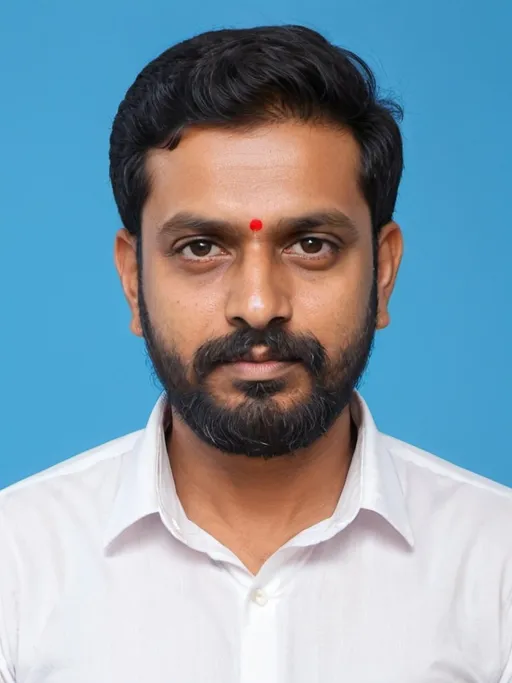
{"x": 72, "y": 376}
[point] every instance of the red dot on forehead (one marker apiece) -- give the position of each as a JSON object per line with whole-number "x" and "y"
{"x": 255, "y": 224}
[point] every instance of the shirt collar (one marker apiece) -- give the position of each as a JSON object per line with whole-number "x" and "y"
{"x": 146, "y": 485}
{"x": 381, "y": 490}
{"x": 137, "y": 495}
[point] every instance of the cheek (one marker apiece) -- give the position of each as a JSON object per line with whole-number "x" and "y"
{"x": 334, "y": 308}
{"x": 183, "y": 316}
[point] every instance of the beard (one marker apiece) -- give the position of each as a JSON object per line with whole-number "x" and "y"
{"x": 259, "y": 425}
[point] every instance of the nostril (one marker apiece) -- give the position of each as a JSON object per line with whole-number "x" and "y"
{"x": 239, "y": 322}
{"x": 278, "y": 321}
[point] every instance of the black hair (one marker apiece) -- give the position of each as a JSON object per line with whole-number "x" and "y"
{"x": 246, "y": 77}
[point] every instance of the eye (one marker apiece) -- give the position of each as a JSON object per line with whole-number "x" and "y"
{"x": 313, "y": 247}
{"x": 199, "y": 249}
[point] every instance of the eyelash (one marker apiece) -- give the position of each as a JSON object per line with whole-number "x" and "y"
{"x": 334, "y": 247}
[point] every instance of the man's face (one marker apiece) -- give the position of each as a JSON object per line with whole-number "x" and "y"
{"x": 258, "y": 336}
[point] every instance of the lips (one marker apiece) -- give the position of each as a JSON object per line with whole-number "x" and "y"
{"x": 260, "y": 370}
{"x": 264, "y": 355}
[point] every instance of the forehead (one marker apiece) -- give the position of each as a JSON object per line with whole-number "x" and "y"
{"x": 272, "y": 170}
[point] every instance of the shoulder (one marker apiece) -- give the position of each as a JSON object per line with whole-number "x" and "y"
{"x": 438, "y": 476}
{"x": 79, "y": 490}
{"x": 76, "y": 471}
{"x": 74, "y": 467}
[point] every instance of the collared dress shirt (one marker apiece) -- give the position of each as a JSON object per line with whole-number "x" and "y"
{"x": 104, "y": 579}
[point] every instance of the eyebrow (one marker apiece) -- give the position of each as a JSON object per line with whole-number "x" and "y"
{"x": 191, "y": 221}
{"x": 333, "y": 218}
{"x": 185, "y": 220}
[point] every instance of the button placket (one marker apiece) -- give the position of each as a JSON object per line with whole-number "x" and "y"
{"x": 260, "y": 638}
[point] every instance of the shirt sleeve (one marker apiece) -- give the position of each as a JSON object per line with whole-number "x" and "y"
{"x": 8, "y": 604}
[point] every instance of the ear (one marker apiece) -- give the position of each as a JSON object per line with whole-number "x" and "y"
{"x": 390, "y": 250}
{"x": 125, "y": 257}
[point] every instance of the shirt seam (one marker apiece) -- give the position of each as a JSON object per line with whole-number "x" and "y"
{"x": 505, "y": 494}
{"x": 40, "y": 477}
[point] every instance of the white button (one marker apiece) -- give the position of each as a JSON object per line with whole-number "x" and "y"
{"x": 259, "y": 597}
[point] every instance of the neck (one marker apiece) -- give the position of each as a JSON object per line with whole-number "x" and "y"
{"x": 251, "y": 505}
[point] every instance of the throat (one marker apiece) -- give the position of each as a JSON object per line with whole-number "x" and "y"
{"x": 254, "y": 506}
{"x": 253, "y": 544}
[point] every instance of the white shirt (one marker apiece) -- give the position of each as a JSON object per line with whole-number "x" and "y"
{"x": 103, "y": 579}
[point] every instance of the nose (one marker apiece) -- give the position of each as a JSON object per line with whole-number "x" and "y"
{"x": 258, "y": 294}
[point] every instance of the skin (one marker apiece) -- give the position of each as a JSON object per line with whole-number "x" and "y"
{"x": 274, "y": 172}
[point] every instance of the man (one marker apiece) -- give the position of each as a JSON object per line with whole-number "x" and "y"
{"x": 259, "y": 529}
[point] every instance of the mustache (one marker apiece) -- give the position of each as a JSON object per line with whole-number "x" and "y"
{"x": 282, "y": 346}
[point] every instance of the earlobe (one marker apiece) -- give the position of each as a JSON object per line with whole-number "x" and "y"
{"x": 135, "y": 326}
{"x": 383, "y": 318}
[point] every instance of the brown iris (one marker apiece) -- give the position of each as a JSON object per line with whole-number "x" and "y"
{"x": 200, "y": 248}
{"x": 311, "y": 245}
